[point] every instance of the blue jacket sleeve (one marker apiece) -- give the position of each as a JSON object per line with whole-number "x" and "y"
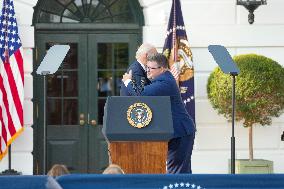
{"x": 159, "y": 88}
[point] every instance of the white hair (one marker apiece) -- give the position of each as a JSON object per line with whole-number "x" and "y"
{"x": 143, "y": 49}
{"x": 113, "y": 169}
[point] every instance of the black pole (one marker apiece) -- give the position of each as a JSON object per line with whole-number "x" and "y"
{"x": 233, "y": 125}
{"x": 10, "y": 171}
{"x": 44, "y": 73}
{"x": 44, "y": 125}
{"x": 9, "y": 158}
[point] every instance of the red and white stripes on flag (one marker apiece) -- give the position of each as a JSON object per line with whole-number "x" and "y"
{"x": 11, "y": 78}
{"x": 175, "y": 72}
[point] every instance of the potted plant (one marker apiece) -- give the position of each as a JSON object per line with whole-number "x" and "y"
{"x": 259, "y": 92}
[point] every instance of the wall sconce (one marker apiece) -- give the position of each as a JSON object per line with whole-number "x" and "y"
{"x": 251, "y": 5}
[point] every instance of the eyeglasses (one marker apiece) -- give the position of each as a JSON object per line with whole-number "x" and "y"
{"x": 151, "y": 68}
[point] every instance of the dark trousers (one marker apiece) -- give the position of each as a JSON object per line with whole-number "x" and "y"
{"x": 179, "y": 154}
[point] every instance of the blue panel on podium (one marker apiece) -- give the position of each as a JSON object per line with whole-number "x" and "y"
{"x": 117, "y": 128}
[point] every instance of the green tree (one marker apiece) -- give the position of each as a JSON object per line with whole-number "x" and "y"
{"x": 259, "y": 92}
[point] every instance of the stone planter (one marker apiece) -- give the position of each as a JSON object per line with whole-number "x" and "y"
{"x": 256, "y": 166}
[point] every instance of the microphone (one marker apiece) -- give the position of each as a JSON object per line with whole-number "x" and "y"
{"x": 143, "y": 81}
{"x": 142, "y": 84}
{"x": 134, "y": 85}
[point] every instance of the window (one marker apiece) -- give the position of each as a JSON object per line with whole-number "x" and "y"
{"x": 86, "y": 11}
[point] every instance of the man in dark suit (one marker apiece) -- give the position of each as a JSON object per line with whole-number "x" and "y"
{"x": 163, "y": 84}
{"x": 138, "y": 67}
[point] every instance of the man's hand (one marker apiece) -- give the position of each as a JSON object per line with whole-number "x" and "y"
{"x": 127, "y": 76}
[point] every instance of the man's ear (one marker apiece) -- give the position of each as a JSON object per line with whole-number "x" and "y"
{"x": 145, "y": 56}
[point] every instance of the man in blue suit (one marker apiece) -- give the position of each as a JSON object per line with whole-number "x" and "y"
{"x": 138, "y": 67}
{"x": 163, "y": 84}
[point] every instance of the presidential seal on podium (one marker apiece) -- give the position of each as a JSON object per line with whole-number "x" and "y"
{"x": 139, "y": 115}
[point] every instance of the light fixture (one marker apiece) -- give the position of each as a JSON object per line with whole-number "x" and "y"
{"x": 251, "y": 5}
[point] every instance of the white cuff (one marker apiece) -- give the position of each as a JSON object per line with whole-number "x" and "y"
{"x": 126, "y": 82}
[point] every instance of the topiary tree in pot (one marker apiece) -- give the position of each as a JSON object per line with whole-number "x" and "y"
{"x": 259, "y": 92}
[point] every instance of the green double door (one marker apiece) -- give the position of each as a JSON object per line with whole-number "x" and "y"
{"x": 75, "y": 98}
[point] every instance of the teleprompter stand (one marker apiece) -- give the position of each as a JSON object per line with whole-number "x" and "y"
{"x": 49, "y": 65}
{"x": 228, "y": 66}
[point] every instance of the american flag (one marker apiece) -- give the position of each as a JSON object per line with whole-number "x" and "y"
{"x": 11, "y": 78}
{"x": 177, "y": 50}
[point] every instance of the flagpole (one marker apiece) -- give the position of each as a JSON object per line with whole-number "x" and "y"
{"x": 174, "y": 34}
{"x": 9, "y": 158}
{"x": 174, "y": 40}
{"x": 10, "y": 171}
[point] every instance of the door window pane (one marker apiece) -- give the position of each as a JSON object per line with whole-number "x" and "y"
{"x": 105, "y": 86}
{"x": 120, "y": 55}
{"x": 54, "y": 85}
{"x": 112, "y": 55}
{"x": 54, "y": 112}
{"x": 104, "y": 55}
{"x": 71, "y": 59}
{"x": 70, "y": 84}
{"x": 70, "y": 112}
{"x": 117, "y": 82}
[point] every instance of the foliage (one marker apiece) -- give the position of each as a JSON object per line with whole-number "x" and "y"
{"x": 259, "y": 90}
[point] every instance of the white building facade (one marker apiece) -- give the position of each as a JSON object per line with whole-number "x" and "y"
{"x": 207, "y": 22}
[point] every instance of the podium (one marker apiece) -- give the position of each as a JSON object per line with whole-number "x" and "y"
{"x": 138, "y": 130}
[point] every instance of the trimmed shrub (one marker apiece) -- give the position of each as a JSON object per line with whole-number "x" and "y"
{"x": 259, "y": 91}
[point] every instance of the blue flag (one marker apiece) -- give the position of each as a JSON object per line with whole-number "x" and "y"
{"x": 177, "y": 50}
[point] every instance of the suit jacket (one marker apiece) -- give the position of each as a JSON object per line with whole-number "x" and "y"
{"x": 165, "y": 85}
{"x": 139, "y": 76}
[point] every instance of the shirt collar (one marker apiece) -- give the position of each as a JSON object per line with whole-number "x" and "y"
{"x": 143, "y": 66}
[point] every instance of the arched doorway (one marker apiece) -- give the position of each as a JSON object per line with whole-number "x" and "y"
{"x": 103, "y": 36}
